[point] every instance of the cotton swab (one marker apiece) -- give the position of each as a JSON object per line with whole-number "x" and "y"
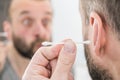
{"x": 52, "y": 43}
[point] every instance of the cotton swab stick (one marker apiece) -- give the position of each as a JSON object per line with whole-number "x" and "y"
{"x": 52, "y": 43}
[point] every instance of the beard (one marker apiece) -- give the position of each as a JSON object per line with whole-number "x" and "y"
{"x": 96, "y": 71}
{"x": 23, "y": 49}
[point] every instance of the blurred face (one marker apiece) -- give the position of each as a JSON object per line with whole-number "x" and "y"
{"x": 30, "y": 25}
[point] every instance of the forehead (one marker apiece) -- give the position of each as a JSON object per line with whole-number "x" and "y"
{"x": 39, "y": 6}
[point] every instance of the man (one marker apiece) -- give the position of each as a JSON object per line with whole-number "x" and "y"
{"x": 100, "y": 19}
{"x": 28, "y": 24}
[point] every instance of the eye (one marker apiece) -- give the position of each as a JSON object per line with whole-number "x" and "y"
{"x": 27, "y": 22}
{"x": 46, "y": 22}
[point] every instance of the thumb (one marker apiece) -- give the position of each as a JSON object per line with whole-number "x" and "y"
{"x": 65, "y": 61}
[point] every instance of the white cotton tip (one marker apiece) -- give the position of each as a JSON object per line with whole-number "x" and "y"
{"x": 50, "y": 43}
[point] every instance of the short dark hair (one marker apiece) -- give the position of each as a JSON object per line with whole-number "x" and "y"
{"x": 7, "y": 5}
{"x": 108, "y": 10}
{"x": 3, "y": 9}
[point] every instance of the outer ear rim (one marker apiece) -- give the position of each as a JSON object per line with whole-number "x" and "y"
{"x": 7, "y": 28}
{"x": 97, "y": 24}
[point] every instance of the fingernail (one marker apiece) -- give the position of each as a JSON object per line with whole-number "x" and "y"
{"x": 69, "y": 47}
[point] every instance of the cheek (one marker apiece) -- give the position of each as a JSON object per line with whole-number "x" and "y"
{"x": 25, "y": 35}
{"x": 21, "y": 33}
{"x": 110, "y": 52}
{"x": 112, "y": 56}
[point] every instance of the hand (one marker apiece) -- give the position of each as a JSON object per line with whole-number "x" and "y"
{"x": 52, "y": 63}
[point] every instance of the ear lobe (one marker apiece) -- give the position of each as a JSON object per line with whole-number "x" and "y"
{"x": 98, "y": 33}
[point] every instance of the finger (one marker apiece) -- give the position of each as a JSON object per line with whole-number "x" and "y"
{"x": 53, "y": 64}
{"x": 34, "y": 77}
{"x": 65, "y": 61}
{"x": 41, "y": 59}
{"x": 71, "y": 76}
{"x": 45, "y": 54}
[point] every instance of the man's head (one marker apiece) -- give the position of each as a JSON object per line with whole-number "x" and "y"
{"x": 28, "y": 24}
{"x": 100, "y": 19}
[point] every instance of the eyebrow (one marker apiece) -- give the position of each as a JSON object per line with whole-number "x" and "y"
{"x": 24, "y": 12}
{"x": 27, "y": 12}
{"x": 49, "y": 13}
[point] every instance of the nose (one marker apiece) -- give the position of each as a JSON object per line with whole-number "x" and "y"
{"x": 39, "y": 30}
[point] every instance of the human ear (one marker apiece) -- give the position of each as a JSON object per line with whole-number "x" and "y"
{"x": 7, "y": 29}
{"x": 99, "y": 35}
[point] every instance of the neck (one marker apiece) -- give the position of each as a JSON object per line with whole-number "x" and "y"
{"x": 18, "y": 62}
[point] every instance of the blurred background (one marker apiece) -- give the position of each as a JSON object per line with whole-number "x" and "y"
{"x": 66, "y": 24}
{"x": 1, "y": 13}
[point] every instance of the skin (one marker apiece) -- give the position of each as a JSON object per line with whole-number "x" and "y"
{"x": 59, "y": 57}
{"x": 25, "y": 10}
{"x": 30, "y": 19}
{"x": 103, "y": 53}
